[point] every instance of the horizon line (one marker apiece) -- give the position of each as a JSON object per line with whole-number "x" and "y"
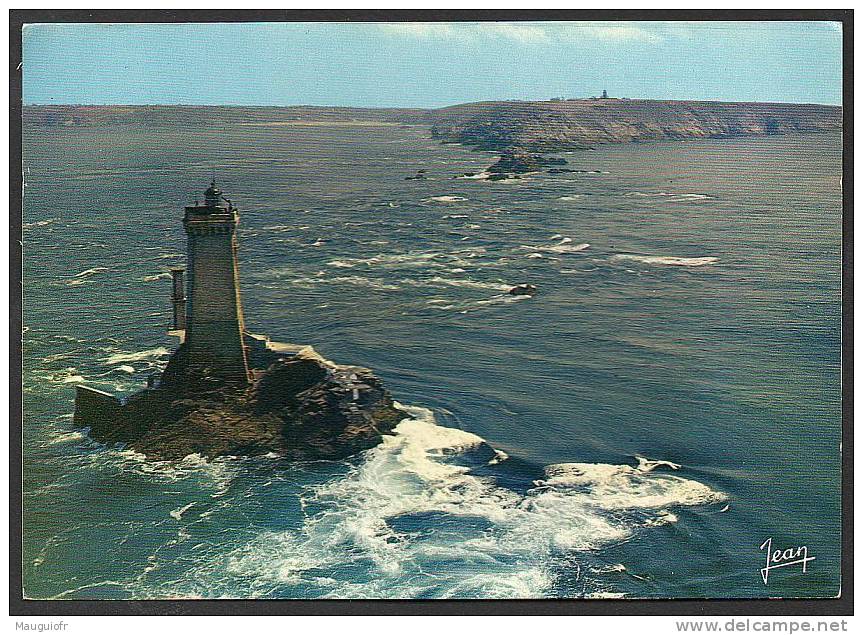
{"x": 488, "y": 101}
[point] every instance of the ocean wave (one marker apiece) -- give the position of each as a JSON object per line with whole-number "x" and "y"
{"x": 673, "y": 261}
{"x": 81, "y": 277}
{"x": 38, "y": 223}
{"x": 69, "y": 375}
{"x": 444, "y": 199}
{"x": 507, "y": 542}
{"x": 148, "y": 355}
{"x": 158, "y": 276}
{"x": 177, "y": 514}
{"x": 670, "y": 195}
{"x": 564, "y": 246}
{"x": 407, "y": 260}
{"x": 361, "y": 281}
{"x": 67, "y": 437}
{"x": 648, "y": 465}
{"x": 214, "y": 475}
{"x": 467, "y": 283}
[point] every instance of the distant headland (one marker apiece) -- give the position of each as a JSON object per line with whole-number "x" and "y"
{"x": 529, "y": 126}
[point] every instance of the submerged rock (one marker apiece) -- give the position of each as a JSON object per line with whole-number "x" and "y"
{"x": 523, "y": 289}
{"x": 298, "y": 405}
{"x": 502, "y": 177}
{"x": 518, "y": 161}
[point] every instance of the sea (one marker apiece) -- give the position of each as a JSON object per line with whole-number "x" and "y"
{"x": 666, "y": 402}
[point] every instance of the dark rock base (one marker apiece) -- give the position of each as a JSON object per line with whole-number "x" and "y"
{"x": 298, "y": 406}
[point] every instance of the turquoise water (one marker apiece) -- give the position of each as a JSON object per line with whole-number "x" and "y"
{"x": 700, "y": 327}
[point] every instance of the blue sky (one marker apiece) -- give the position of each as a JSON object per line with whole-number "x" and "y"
{"x": 429, "y": 64}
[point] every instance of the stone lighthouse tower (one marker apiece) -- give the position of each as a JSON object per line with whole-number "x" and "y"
{"x": 214, "y": 343}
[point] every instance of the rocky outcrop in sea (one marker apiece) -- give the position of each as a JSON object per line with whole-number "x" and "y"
{"x": 299, "y": 406}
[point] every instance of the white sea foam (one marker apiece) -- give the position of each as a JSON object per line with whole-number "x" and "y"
{"x": 80, "y": 278}
{"x": 215, "y": 475}
{"x": 90, "y": 272}
{"x": 471, "y": 284}
{"x": 361, "y": 281}
{"x": 670, "y": 195}
{"x": 356, "y": 522}
{"x": 159, "y": 276}
{"x": 177, "y": 514}
{"x": 410, "y": 259}
{"x": 499, "y": 457}
{"x": 648, "y": 465}
{"x": 673, "y": 261}
{"x": 67, "y": 437}
{"x": 69, "y": 375}
{"x": 503, "y": 299}
{"x": 563, "y": 246}
{"x": 444, "y": 199}
{"x": 38, "y": 223}
{"x": 619, "y": 487}
{"x": 149, "y": 354}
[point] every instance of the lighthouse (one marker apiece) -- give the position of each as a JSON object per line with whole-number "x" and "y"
{"x": 214, "y": 329}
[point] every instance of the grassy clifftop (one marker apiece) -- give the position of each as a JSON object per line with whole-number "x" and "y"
{"x": 557, "y": 125}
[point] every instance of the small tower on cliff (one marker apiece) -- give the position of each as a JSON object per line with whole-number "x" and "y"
{"x": 214, "y": 315}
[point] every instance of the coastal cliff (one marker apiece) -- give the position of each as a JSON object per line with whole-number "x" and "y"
{"x": 578, "y": 124}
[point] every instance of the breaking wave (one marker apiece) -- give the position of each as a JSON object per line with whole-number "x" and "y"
{"x": 38, "y": 223}
{"x": 159, "y": 276}
{"x": 444, "y": 199}
{"x": 83, "y": 276}
{"x": 670, "y": 196}
{"x": 564, "y": 246}
{"x": 470, "y": 284}
{"x": 364, "y": 535}
{"x": 673, "y": 261}
{"x": 148, "y": 355}
{"x": 407, "y": 260}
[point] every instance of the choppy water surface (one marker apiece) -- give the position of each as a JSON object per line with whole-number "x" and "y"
{"x": 667, "y": 402}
